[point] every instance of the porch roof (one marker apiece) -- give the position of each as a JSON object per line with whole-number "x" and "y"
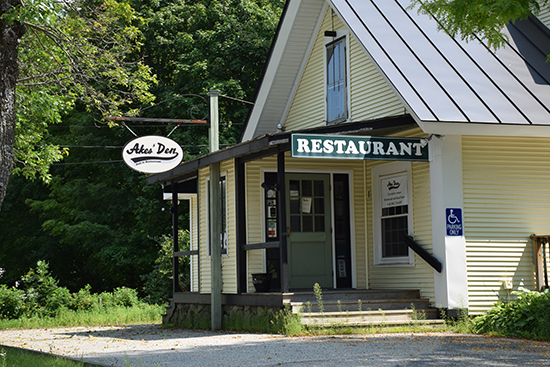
{"x": 271, "y": 144}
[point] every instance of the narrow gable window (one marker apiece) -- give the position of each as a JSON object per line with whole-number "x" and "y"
{"x": 336, "y": 93}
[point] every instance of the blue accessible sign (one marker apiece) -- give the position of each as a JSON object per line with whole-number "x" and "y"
{"x": 454, "y": 222}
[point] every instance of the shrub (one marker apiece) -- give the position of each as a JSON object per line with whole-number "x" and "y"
{"x": 38, "y": 285}
{"x": 528, "y": 316}
{"x": 126, "y": 297}
{"x": 11, "y": 302}
{"x": 158, "y": 283}
{"x": 84, "y": 300}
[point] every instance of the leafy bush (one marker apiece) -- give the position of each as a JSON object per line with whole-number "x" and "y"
{"x": 40, "y": 296}
{"x": 528, "y": 316}
{"x": 158, "y": 283}
{"x": 11, "y": 302}
{"x": 84, "y": 300}
{"x": 41, "y": 290}
{"x": 126, "y": 297}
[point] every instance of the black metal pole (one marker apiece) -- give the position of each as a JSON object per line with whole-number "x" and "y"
{"x": 544, "y": 243}
{"x": 281, "y": 195}
{"x": 175, "y": 259}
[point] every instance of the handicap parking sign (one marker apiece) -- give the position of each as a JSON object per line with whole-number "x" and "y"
{"x": 454, "y": 221}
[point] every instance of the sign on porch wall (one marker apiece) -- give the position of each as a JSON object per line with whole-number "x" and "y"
{"x": 358, "y": 147}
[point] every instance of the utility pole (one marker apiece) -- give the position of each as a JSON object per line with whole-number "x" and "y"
{"x": 215, "y": 220}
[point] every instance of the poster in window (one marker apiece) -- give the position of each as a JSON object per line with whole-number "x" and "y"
{"x": 306, "y": 205}
{"x": 271, "y": 228}
{"x": 394, "y": 191}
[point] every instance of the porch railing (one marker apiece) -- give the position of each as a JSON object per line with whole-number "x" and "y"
{"x": 425, "y": 255}
{"x": 260, "y": 246}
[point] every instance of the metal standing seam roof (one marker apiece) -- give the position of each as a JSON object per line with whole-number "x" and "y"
{"x": 442, "y": 79}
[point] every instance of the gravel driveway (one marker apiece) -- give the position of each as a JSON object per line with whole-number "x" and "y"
{"x": 149, "y": 345}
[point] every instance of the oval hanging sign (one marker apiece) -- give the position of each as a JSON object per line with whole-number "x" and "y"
{"x": 152, "y": 154}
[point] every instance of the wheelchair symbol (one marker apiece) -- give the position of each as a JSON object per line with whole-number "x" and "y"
{"x": 452, "y": 219}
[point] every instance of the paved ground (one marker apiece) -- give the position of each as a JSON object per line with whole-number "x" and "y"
{"x": 149, "y": 345}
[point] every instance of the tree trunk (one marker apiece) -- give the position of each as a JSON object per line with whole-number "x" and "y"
{"x": 10, "y": 35}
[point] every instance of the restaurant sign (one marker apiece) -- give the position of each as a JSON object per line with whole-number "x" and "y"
{"x": 359, "y": 147}
{"x": 152, "y": 154}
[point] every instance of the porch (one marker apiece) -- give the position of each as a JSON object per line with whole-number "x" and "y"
{"x": 383, "y": 307}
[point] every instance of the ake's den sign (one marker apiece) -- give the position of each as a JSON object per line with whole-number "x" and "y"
{"x": 359, "y": 147}
{"x": 152, "y": 154}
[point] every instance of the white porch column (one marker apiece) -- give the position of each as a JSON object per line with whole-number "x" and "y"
{"x": 451, "y": 288}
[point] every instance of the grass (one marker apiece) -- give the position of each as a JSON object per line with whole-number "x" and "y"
{"x": 140, "y": 314}
{"x": 14, "y": 357}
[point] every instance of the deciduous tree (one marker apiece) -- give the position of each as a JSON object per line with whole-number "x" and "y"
{"x": 53, "y": 53}
{"x": 485, "y": 19}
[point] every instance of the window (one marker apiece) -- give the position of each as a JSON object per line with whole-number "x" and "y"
{"x": 336, "y": 77}
{"x": 223, "y": 214}
{"x": 392, "y": 207}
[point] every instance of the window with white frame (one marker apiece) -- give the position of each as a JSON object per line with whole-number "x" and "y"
{"x": 223, "y": 214}
{"x": 392, "y": 199}
{"x": 336, "y": 81}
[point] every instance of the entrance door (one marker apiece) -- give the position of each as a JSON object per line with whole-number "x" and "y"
{"x": 309, "y": 240}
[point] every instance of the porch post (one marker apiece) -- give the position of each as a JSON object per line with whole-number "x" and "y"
{"x": 175, "y": 248}
{"x": 449, "y": 245}
{"x": 215, "y": 221}
{"x": 281, "y": 196}
{"x": 240, "y": 215}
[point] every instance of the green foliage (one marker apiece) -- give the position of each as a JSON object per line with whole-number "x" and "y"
{"x": 478, "y": 18}
{"x": 125, "y": 297}
{"x": 198, "y": 45}
{"x": 41, "y": 297}
{"x": 15, "y": 357}
{"x": 287, "y": 323}
{"x": 319, "y": 297}
{"x": 158, "y": 283}
{"x": 11, "y": 302}
{"x": 527, "y": 317}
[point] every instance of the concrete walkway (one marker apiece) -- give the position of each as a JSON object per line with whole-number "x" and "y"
{"x": 149, "y": 345}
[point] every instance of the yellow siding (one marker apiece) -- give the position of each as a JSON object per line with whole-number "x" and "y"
{"x": 229, "y": 261}
{"x": 420, "y": 275}
{"x": 506, "y": 199}
{"x": 370, "y": 95}
{"x": 203, "y": 220}
{"x": 254, "y": 223}
{"x": 194, "y": 242}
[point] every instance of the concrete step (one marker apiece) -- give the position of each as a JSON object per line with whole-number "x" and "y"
{"x": 372, "y": 318}
{"x": 356, "y": 305}
{"x": 352, "y": 295}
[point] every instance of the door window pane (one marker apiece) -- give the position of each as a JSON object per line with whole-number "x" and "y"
{"x": 295, "y": 225}
{"x": 306, "y": 188}
{"x": 294, "y": 206}
{"x": 307, "y": 221}
{"x": 319, "y": 206}
{"x": 319, "y": 223}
